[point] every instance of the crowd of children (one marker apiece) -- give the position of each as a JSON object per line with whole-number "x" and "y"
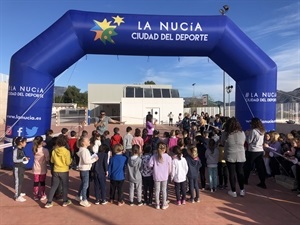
{"x": 148, "y": 162}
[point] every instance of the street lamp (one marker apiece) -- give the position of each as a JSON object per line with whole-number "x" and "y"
{"x": 193, "y": 94}
{"x": 224, "y": 9}
{"x": 228, "y": 90}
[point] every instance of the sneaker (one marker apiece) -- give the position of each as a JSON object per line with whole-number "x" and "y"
{"x": 192, "y": 200}
{"x": 139, "y": 204}
{"x": 178, "y": 202}
{"x": 112, "y": 201}
{"x": 211, "y": 190}
{"x": 242, "y": 193}
{"x": 36, "y": 198}
{"x": 157, "y": 207}
{"x": 131, "y": 204}
{"x": 67, "y": 203}
{"x": 261, "y": 185}
{"x": 97, "y": 202}
{"x": 23, "y": 194}
{"x": 20, "y": 199}
{"x": 104, "y": 202}
{"x": 121, "y": 203}
{"x": 167, "y": 201}
{"x": 44, "y": 197}
{"x": 232, "y": 194}
{"x": 165, "y": 207}
{"x": 78, "y": 198}
{"x": 197, "y": 199}
{"x": 183, "y": 202}
{"x": 48, "y": 205}
{"x": 85, "y": 203}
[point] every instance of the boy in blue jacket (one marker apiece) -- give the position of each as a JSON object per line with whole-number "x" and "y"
{"x": 116, "y": 173}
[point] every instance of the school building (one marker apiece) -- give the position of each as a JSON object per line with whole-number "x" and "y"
{"x": 131, "y": 103}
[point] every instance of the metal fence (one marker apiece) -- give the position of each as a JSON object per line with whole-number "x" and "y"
{"x": 284, "y": 111}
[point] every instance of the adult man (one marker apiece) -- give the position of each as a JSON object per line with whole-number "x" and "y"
{"x": 103, "y": 122}
{"x": 170, "y": 119}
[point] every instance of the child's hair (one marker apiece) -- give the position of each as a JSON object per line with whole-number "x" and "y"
{"x": 161, "y": 149}
{"x": 118, "y": 148}
{"x": 49, "y": 132}
{"x": 155, "y": 132}
{"x": 184, "y": 133}
{"x": 172, "y": 133}
{"x": 81, "y": 140}
{"x": 187, "y": 141}
{"x": 61, "y": 141}
{"x": 116, "y": 130}
{"x": 180, "y": 142}
{"x": 73, "y": 133}
{"x": 147, "y": 148}
{"x": 137, "y": 132}
{"x": 128, "y": 129}
{"x": 193, "y": 151}
{"x": 135, "y": 149}
{"x": 103, "y": 148}
{"x": 93, "y": 138}
{"x": 177, "y": 132}
{"x": 106, "y": 133}
{"x": 64, "y": 130}
{"x": 94, "y": 133}
{"x": 166, "y": 134}
{"x": 37, "y": 141}
{"x": 84, "y": 133}
{"x": 177, "y": 151}
{"x": 145, "y": 133}
{"x": 18, "y": 140}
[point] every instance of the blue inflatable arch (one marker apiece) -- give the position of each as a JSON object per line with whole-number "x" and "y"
{"x": 77, "y": 33}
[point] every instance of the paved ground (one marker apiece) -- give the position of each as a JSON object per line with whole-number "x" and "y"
{"x": 275, "y": 205}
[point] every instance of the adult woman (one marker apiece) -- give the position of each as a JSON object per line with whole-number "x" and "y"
{"x": 255, "y": 152}
{"x": 149, "y": 126}
{"x": 233, "y": 138}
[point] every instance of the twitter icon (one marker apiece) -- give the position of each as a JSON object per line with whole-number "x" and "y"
{"x": 31, "y": 132}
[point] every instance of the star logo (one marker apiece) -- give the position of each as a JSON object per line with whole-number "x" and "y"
{"x": 105, "y": 31}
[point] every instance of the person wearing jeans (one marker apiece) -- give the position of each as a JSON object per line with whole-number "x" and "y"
{"x": 233, "y": 138}
{"x": 84, "y": 166}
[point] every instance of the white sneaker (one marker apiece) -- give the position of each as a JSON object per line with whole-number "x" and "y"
{"x": 242, "y": 193}
{"x": 23, "y": 194}
{"x": 78, "y": 198}
{"x": 232, "y": 194}
{"x": 85, "y": 203}
{"x": 20, "y": 199}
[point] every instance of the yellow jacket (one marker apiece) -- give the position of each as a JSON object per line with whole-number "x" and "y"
{"x": 61, "y": 158}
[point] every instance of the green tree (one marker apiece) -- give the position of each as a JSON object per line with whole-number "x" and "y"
{"x": 73, "y": 95}
{"x": 149, "y": 82}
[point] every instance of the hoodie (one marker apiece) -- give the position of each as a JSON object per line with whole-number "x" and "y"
{"x": 61, "y": 158}
{"x": 194, "y": 165}
{"x": 85, "y": 159}
{"x": 135, "y": 169}
{"x": 179, "y": 170}
{"x": 255, "y": 140}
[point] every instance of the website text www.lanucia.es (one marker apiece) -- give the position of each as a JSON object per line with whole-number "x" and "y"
{"x": 24, "y": 117}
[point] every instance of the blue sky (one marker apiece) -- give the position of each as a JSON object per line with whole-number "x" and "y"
{"x": 274, "y": 25}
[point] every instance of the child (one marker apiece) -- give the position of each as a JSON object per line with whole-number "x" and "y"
{"x": 127, "y": 140}
{"x": 39, "y": 169}
{"x": 135, "y": 175}
{"x": 222, "y": 169}
{"x": 72, "y": 141}
{"x": 116, "y": 138}
{"x": 201, "y": 149}
{"x": 172, "y": 142}
{"x": 116, "y": 173}
{"x": 95, "y": 141}
{"x": 145, "y": 135}
{"x": 164, "y": 139}
{"x": 105, "y": 140}
{"x": 194, "y": 165}
{"x": 84, "y": 166}
{"x": 178, "y": 175}
{"x": 100, "y": 171}
{"x": 212, "y": 158}
{"x": 155, "y": 140}
{"x": 61, "y": 159}
{"x": 137, "y": 139}
{"x": 162, "y": 165}
{"x": 147, "y": 175}
{"x": 19, "y": 160}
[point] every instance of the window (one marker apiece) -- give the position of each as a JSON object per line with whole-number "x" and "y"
{"x": 175, "y": 93}
{"x": 156, "y": 93}
{"x": 139, "y": 92}
{"x": 129, "y": 92}
{"x": 165, "y": 93}
{"x": 147, "y": 93}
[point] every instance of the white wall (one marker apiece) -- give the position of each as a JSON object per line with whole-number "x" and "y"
{"x": 3, "y": 97}
{"x": 134, "y": 110}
